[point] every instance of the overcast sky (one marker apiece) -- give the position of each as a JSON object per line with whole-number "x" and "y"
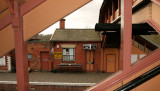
{"x": 85, "y": 17}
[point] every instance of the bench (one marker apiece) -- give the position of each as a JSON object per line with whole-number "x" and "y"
{"x": 70, "y": 67}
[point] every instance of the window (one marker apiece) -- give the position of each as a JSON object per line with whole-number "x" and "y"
{"x": 29, "y": 56}
{"x": 141, "y": 47}
{"x": 136, "y": 44}
{"x": 2, "y": 61}
{"x": 134, "y": 58}
{"x": 68, "y": 54}
{"x": 142, "y": 55}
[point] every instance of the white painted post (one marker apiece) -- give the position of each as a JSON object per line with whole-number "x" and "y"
{"x": 9, "y": 63}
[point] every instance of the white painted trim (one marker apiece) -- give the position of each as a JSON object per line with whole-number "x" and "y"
{"x": 50, "y": 83}
{"x": 9, "y": 62}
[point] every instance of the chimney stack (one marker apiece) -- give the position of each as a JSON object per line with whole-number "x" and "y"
{"x": 62, "y": 24}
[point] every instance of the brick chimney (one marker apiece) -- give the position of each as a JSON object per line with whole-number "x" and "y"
{"x": 62, "y": 24}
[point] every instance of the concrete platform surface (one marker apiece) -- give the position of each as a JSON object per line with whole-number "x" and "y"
{"x": 91, "y": 77}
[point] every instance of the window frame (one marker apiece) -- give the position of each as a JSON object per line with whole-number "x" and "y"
{"x": 68, "y": 55}
{"x": 3, "y": 58}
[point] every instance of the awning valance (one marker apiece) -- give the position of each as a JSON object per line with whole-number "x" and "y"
{"x": 114, "y": 29}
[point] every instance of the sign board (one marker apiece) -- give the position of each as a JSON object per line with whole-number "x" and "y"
{"x": 89, "y": 46}
{"x": 57, "y": 55}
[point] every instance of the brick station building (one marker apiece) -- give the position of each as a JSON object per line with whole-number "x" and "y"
{"x": 69, "y": 49}
{"x": 76, "y": 47}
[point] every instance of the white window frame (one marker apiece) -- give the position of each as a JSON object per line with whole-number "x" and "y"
{"x": 142, "y": 55}
{"x": 134, "y": 58}
{"x": 3, "y": 61}
{"x": 68, "y": 55}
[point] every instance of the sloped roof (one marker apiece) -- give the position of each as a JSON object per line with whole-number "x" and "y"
{"x": 154, "y": 39}
{"x": 40, "y": 38}
{"x": 76, "y": 35}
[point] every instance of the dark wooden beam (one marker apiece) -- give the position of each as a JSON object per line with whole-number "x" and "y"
{"x": 133, "y": 33}
{"x": 111, "y": 33}
{"x": 107, "y": 27}
{"x": 116, "y": 27}
{"x": 137, "y": 29}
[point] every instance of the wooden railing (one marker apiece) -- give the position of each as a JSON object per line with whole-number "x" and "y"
{"x": 116, "y": 14}
{"x": 141, "y": 47}
{"x": 111, "y": 18}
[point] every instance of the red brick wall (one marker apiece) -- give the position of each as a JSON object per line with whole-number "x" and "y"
{"x": 8, "y": 87}
{"x": 4, "y": 67}
{"x": 35, "y": 49}
{"x": 80, "y": 54}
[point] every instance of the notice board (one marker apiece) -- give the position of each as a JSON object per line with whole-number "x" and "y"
{"x": 57, "y": 55}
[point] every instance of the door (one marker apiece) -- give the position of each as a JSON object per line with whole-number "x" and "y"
{"x": 44, "y": 61}
{"x": 111, "y": 62}
{"x": 89, "y": 61}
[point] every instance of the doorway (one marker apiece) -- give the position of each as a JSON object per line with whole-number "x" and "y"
{"x": 44, "y": 61}
{"x": 111, "y": 62}
{"x": 89, "y": 61}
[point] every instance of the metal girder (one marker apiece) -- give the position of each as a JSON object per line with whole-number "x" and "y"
{"x": 20, "y": 46}
{"x": 126, "y": 35}
{"x": 125, "y": 48}
{"x": 38, "y": 18}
